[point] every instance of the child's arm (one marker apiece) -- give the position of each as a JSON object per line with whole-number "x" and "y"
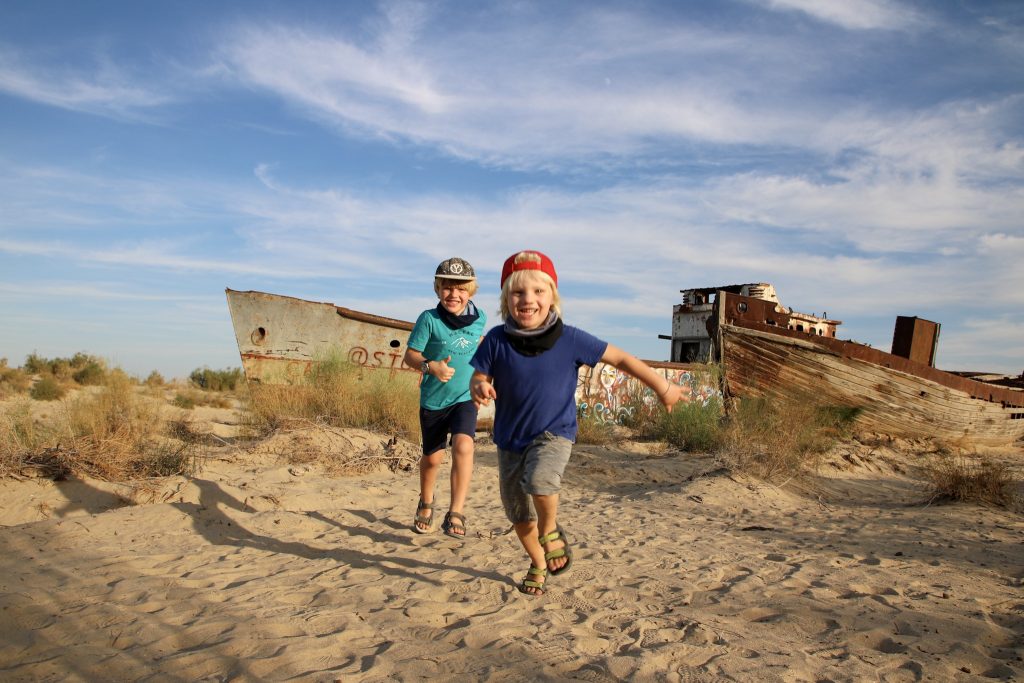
{"x": 437, "y": 368}
{"x": 668, "y": 393}
{"x": 481, "y": 389}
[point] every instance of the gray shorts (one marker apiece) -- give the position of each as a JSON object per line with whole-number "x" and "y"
{"x": 537, "y": 471}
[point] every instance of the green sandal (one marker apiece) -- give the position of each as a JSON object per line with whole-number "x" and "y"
{"x": 530, "y": 587}
{"x": 564, "y": 551}
{"x": 420, "y": 519}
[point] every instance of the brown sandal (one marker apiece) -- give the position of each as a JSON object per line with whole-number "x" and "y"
{"x": 420, "y": 519}
{"x": 454, "y": 521}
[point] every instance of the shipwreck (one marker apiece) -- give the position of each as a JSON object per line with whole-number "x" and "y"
{"x": 280, "y": 339}
{"x": 768, "y": 350}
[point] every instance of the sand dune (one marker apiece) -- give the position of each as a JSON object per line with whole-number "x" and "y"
{"x": 256, "y": 570}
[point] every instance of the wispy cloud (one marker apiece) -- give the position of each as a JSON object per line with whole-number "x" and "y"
{"x": 865, "y": 157}
{"x": 852, "y": 14}
{"x": 97, "y": 87}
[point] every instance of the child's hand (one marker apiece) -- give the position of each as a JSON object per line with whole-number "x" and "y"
{"x": 444, "y": 373}
{"x": 483, "y": 392}
{"x": 672, "y": 395}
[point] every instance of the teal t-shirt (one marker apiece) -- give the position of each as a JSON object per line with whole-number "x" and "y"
{"x": 436, "y": 341}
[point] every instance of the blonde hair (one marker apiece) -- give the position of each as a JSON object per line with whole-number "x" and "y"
{"x": 469, "y": 285}
{"x": 515, "y": 280}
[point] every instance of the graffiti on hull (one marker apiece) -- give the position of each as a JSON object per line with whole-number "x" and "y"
{"x": 608, "y": 395}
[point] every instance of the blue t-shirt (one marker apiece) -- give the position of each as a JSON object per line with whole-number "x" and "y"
{"x": 536, "y": 394}
{"x": 436, "y": 341}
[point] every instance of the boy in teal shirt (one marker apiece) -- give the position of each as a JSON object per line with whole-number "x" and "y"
{"x": 441, "y": 343}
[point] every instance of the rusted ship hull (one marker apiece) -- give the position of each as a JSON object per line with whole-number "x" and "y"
{"x": 893, "y": 395}
{"x": 280, "y": 338}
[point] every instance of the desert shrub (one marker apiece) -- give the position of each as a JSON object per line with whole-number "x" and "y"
{"x": 216, "y": 380}
{"x": 117, "y": 434}
{"x": 782, "y": 437}
{"x": 641, "y": 412}
{"x": 20, "y": 434}
{"x": 155, "y": 379}
{"x": 190, "y": 398}
{"x": 13, "y": 381}
{"x": 47, "y": 389}
{"x": 972, "y": 481}
{"x": 186, "y": 401}
{"x": 114, "y": 433}
{"x": 692, "y": 426}
{"x": 36, "y": 364}
{"x": 340, "y": 394}
{"x": 90, "y": 374}
{"x": 63, "y": 368}
{"x": 592, "y": 430}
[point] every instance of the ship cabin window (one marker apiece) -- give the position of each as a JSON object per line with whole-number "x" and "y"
{"x": 769, "y": 322}
{"x": 688, "y": 353}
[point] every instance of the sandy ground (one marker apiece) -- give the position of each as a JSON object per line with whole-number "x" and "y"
{"x": 257, "y": 570}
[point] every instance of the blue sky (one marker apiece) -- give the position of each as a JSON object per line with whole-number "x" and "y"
{"x": 864, "y": 156}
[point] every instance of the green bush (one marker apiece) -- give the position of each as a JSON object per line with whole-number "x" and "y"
{"x": 217, "y": 380}
{"x": 692, "y": 426}
{"x": 36, "y": 364}
{"x": 91, "y": 374}
{"x": 47, "y": 389}
{"x": 92, "y": 366}
{"x": 183, "y": 401}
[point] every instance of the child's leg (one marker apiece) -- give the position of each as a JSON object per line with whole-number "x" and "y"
{"x": 527, "y": 533}
{"x": 519, "y": 511}
{"x": 462, "y": 470}
{"x": 546, "y": 459}
{"x": 434, "y": 432}
{"x": 547, "y": 521}
{"x": 462, "y": 425}
{"x": 430, "y": 465}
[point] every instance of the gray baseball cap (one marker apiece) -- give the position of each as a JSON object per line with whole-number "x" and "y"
{"x": 455, "y": 268}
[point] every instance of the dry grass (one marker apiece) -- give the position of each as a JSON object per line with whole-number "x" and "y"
{"x": 341, "y": 451}
{"x": 972, "y": 480}
{"x": 20, "y": 434}
{"x": 190, "y": 398}
{"x": 593, "y": 431}
{"x": 13, "y": 381}
{"x": 781, "y": 439}
{"x": 340, "y": 394}
{"x": 113, "y": 433}
{"x": 643, "y": 412}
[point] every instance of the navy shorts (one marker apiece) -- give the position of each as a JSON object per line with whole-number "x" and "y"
{"x": 436, "y": 425}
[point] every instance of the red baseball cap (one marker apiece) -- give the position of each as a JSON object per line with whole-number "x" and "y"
{"x": 528, "y": 260}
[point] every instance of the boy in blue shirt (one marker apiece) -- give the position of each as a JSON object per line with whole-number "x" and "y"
{"x": 441, "y": 343}
{"x": 530, "y": 367}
